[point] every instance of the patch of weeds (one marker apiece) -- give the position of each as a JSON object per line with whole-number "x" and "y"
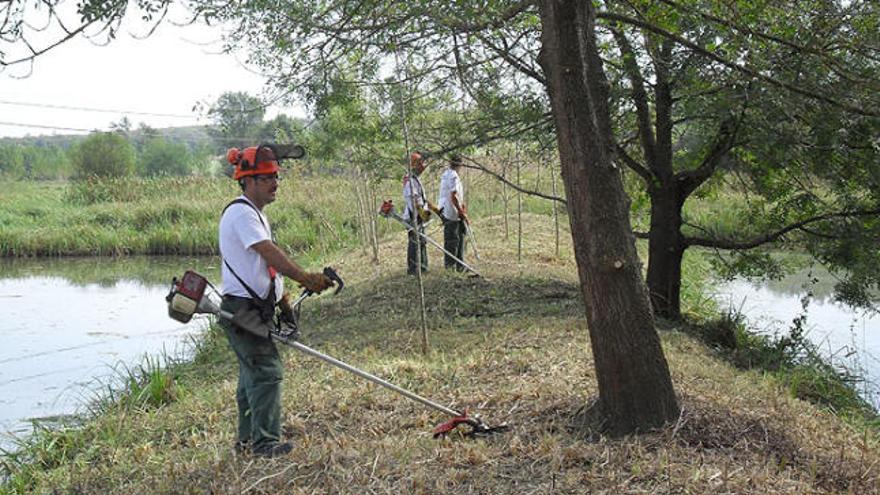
{"x": 793, "y": 360}
{"x": 52, "y": 444}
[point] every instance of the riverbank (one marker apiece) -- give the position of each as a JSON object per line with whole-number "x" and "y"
{"x": 159, "y": 216}
{"x": 512, "y": 348}
{"x": 312, "y": 215}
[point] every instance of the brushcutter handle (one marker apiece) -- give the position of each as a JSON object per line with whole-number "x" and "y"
{"x": 330, "y": 273}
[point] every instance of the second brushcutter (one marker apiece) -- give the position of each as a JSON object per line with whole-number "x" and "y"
{"x": 389, "y": 211}
{"x": 194, "y": 294}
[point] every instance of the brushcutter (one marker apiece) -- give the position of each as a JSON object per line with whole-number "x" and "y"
{"x": 469, "y": 232}
{"x": 194, "y": 294}
{"x": 389, "y": 211}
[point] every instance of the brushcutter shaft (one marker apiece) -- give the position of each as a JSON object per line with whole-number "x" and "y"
{"x": 473, "y": 240}
{"x": 347, "y": 367}
{"x": 189, "y": 296}
{"x": 363, "y": 374}
{"x": 393, "y": 214}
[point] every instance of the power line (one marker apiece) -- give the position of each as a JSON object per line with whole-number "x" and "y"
{"x": 223, "y": 139}
{"x": 38, "y": 126}
{"x": 102, "y": 110}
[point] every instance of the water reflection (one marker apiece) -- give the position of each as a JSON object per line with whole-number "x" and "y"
{"x": 848, "y": 337}
{"x": 68, "y": 322}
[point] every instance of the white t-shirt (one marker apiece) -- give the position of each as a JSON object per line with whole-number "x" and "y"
{"x": 409, "y": 190}
{"x": 241, "y": 228}
{"x": 449, "y": 182}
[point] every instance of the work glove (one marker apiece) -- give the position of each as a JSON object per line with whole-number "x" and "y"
{"x": 433, "y": 208}
{"x": 285, "y": 309}
{"x": 425, "y": 214}
{"x": 287, "y": 326}
{"x": 316, "y": 282}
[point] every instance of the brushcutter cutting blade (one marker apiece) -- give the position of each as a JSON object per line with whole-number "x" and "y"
{"x": 482, "y": 430}
{"x": 478, "y": 428}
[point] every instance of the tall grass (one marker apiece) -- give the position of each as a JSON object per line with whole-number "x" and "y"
{"x": 313, "y": 214}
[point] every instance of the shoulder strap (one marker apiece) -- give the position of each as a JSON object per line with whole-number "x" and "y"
{"x": 421, "y": 189}
{"x": 246, "y": 202}
{"x": 271, "y": 270}
{"x": 246, "y": 286}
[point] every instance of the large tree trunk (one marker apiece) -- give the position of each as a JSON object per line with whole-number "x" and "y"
{"x": 635, "y": 388}
{"x": 665, "y": 252}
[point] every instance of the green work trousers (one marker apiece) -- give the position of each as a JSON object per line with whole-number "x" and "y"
{"x": 259, "y": 380}
{"x": 416, "y": 242}
{"x": 454, "y": 232}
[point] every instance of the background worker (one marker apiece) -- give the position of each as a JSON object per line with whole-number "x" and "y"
{"x": 252, "y": 271}
{"x": 416, "y": 212}
{"x": 451, "y": 203}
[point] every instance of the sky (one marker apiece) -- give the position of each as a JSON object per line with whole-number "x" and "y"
{"x": 167, "y": 73}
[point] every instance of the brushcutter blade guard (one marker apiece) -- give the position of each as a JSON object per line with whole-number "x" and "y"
{"x": 477, "y": 427}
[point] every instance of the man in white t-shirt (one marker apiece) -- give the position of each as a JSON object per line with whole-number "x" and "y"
{"x": 252, "y": 268}
{"x": 451, "y": 203}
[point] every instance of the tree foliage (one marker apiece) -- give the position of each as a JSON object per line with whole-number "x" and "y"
{"x": 33, "y": 162}
{"x": 103, "y": 154}
{"x": 237, "y": 118}
{"x": 160, "y": 157}
{"x": 31, "y": 28}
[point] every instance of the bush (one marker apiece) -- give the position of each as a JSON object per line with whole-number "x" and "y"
{"x": 164, "y": 158}
{"x": 103, "y": 154}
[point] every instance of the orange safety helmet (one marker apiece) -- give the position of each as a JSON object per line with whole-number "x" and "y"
{"x": 256, "y": 160}
{"x": 415, "y": 159}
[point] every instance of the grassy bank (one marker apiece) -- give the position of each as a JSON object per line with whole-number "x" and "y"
{"x": 512, "y": 348}
{"x": 312, "y": 215}
{"x": 156, "y": 216}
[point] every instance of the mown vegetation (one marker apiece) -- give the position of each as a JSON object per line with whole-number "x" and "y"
{"x": 510, "y": 348}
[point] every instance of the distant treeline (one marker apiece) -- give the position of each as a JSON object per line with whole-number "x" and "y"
{"x": 175, "y": 151}
{"x": 237, "y": 121}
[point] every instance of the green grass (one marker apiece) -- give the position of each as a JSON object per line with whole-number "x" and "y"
{"x": 513, "y": 348}
{"x": 178, "y": 216}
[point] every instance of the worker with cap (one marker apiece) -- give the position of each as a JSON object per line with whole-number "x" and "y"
{"x": 451, "y": 203}
{"x": 416, "y": 212}
{"x": 252, "y": 268}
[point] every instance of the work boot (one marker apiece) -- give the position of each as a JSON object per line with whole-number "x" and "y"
{"x": 242, "y": 447}
{"x": 273, "y": 449}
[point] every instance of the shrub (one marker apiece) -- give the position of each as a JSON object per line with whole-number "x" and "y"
{"x": 103, "y": 154}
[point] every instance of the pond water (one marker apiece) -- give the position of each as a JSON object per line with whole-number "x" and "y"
{"x": 849, "y": 338}
{"x": 71, "y": 326}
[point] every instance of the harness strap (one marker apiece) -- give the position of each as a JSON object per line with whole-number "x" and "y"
{"x": 269, "y": 302}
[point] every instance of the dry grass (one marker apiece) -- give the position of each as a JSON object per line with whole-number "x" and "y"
{"x": 512, "y": 348}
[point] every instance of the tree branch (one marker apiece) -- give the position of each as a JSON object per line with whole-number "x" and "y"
{"x": 775, "y": 235}
{"x": 639, "y": 96}
{"x": 478, "y": 166}
{"x": 611, "y": 16}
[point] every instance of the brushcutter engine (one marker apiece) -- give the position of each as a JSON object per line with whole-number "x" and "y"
{"x": 187, "y": 297}
{"x": 193, "y": 294}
